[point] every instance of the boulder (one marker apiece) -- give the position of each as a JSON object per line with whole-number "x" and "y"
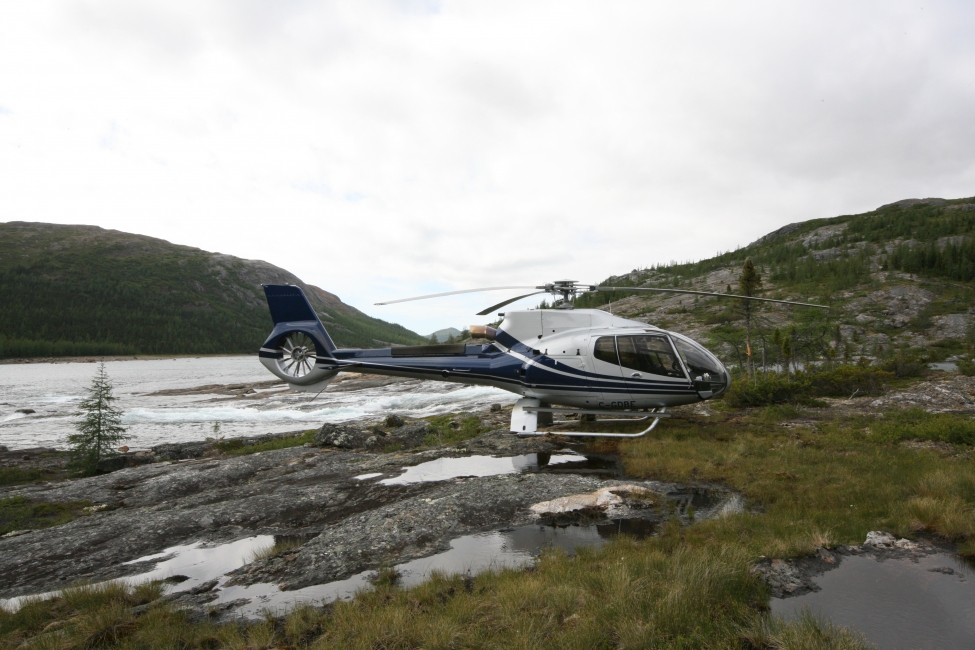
{"x": 347, "y": 436}
{"x": 121, "y": 461}
{"x": 357, "y": 436}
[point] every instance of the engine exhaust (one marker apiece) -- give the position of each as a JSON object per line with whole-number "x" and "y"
{"x": 483, "y": 332}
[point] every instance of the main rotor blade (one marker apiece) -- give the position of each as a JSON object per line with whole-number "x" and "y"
{"x": 449, "y": 293}
{"x": 708, "y": 293}
{"x": 507, "y": 302}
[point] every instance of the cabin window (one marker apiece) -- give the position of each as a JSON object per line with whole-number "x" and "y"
{"x": 650, "y": 354}
{"x": 605, "y": 350}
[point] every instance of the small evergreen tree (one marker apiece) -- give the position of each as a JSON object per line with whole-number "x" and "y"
{"x": 100, "y": 430}
{"x": 749, "y": 282}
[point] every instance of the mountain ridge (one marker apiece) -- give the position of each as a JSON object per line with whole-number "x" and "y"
{"x": 81, "y": 290}
{"x": 899, "y": 279}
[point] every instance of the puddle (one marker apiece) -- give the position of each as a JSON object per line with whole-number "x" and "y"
{"x": 443, "y": 469}
{"x": 947, "y": 366}
{"x": 471, "y": 554}
{"x": 366, "y": 477}
{"x": 896, "y": 603}
{"x": 197, "y": 562}
{"x": 603, "y": 465}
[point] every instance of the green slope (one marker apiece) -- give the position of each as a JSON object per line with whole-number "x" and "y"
{"x": 82, "y": 290}
{"x": 899, "y": 279}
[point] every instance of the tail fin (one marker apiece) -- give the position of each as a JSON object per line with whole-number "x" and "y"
{"x": 291, "y": 311}
{"x": 288, "y": 303}
{"x": 298, "y": 350}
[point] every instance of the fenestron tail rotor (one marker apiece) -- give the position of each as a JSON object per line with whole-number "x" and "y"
{"x": 298, "y": 354}
{"x": 569, "y": 289}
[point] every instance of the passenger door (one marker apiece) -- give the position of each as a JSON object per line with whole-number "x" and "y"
{"x": 651, "y": 369}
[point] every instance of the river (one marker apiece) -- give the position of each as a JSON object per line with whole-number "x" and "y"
{"x": 53, "y": 390}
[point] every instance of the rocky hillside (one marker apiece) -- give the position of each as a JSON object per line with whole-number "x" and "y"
{"x": 899, "y": 279}
{"x": 79, "y": 290}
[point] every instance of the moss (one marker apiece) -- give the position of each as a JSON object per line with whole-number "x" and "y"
{"x": 238, "y": 448}
{"x": 442, "y": 432}
{"x": 19, "y": 513}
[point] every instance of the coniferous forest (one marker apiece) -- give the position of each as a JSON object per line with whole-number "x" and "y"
{"x": 82, "y": 290}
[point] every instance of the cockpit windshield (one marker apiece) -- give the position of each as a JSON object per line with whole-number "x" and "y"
{"x": 702, "y": 365}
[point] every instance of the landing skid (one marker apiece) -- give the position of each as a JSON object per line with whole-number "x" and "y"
{"x": 526, "y": 411}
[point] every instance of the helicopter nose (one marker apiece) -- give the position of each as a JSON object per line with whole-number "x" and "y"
{"x": 727, "y": 382}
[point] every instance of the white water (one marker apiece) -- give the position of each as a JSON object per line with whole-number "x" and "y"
{"x": 53, "y": 391}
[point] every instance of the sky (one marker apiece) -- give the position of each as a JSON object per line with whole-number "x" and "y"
{"x": 383, "y": 149}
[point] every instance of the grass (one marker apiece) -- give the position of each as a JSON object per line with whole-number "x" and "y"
{"x": 19, "y": 513}
{"x": 238, "y": 448}
{"x": 17, "y": 476}
{"x": 282, "y": 544}
{"x": 825, "y": 483}
{"x": 442, "y": 433}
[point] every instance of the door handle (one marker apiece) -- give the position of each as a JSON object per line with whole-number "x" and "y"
{"x": 636, "y": 374}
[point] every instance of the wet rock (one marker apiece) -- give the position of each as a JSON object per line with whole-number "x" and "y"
{"x": 26, "y": 411}
{"x": 783, "y": 577}
{"x": 420, "y": 523}
{"x": 175, "y": 580}
{"x": 204, "y": 587}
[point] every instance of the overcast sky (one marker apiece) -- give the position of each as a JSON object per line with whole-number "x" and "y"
{"x": 387, "y": 149}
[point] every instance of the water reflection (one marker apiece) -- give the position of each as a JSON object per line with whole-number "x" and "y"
{"x": 896, "y": 603}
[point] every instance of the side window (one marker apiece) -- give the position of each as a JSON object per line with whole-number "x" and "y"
{"x": 605, "y": 350}
{"x": 651, "y": 354}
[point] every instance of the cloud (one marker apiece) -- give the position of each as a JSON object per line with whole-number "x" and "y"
{"x": 434, "y": 146}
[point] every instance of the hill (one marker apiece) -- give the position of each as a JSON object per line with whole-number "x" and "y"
{"x": 444, "y": 335}
{"x": 83, "y": 290}
{"x": 899, "y": 280}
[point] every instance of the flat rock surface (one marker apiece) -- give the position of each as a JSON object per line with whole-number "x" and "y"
{"x": 352, "y": 524}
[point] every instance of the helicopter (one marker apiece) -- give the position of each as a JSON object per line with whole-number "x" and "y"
{"x": 582, "y": 362}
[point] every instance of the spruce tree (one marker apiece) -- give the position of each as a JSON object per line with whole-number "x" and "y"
{"x": 749, "y": 282}
{"x": 100, "y": 431}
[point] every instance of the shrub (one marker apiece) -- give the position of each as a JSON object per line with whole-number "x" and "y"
{"x": 917, "y": 424}
{"x": 966, "y": 367}
{"x": 843, "y": 381}
{"x": 906, "y": 363}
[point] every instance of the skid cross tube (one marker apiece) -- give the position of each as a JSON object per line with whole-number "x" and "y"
{"x": 657, "y": 416}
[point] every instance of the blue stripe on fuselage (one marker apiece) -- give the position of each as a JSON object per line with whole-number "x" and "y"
{"x": 487, "y": 364}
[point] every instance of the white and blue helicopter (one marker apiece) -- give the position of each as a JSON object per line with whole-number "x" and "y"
{"x": 585, "y": 362}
